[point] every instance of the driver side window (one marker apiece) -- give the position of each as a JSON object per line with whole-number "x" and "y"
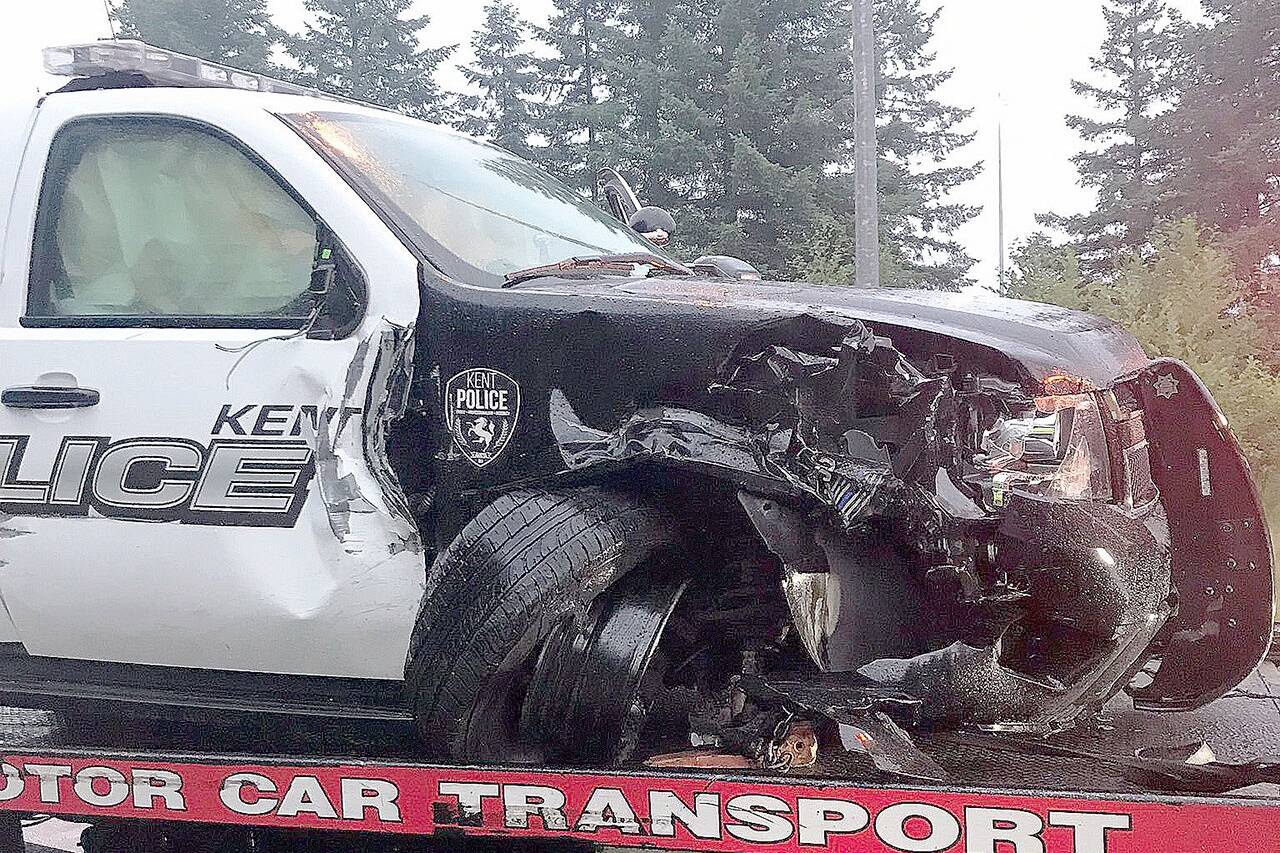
{"x": 153, "y": 221}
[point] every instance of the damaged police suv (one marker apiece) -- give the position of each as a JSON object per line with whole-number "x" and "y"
{"x": 312, "y": 408}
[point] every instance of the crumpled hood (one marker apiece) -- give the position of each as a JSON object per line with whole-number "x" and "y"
{"x": 1044, "y": 339}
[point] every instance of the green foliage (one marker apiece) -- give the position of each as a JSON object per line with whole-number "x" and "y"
{"x": 371, "y": 52}
{"x": 237, "y": 32}
{"x": 1189, "y": 120}
{"x": 737, "y": 115}
{"x": 1224, "y": 135}
{"x": 1126, "y": 164}
{"x": 1044, "y": 272}
{"x": 506, "y": 77}
{"x": 918, "y": 134}
{"x": 580, "y": 35}
{"x": 1186, "y": 304}
{"x": 828, "y": 255}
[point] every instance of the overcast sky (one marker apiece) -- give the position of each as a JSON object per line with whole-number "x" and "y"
{"x": 1014, "y": 61}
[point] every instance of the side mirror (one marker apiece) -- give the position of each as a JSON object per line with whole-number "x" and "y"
{"x": 653, "y": 223}
{"x": 619, "y": 198}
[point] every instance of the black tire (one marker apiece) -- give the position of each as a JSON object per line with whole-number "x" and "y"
{"x": 524, "y": 563}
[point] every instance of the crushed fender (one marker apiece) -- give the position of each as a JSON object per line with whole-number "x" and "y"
{"x": 958, "y": 536}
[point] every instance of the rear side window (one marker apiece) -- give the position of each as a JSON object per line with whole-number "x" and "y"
{"x": 147, "y": 221}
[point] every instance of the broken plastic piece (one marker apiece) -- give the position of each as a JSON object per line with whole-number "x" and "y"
{"x": 890, "y": 748}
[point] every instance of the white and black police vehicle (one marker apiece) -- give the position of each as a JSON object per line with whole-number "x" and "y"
{"x": 312, "y": 408}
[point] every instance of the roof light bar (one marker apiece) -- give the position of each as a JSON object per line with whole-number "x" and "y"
{"x": 163, "y": 67}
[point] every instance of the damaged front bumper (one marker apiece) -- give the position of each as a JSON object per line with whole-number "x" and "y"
{"x": 1222, "y": 560}
{"x": 1012, "y": 557}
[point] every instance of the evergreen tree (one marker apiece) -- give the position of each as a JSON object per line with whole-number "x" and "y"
{"x": 236, "y": 32}
{"x": 506, "y": 77}
{"x": 581, "y": 35}
{"x": 643, "y": 76}
{"x": 737, "y": 114}
{"x": 368, "y": 50}
{"x": 918, "y": 134}
{"x": 780, "y": 118}
{"x": 1042, "y": 271}
{"x": 1127, "y": 165}
{"x": 1225, "y": 136}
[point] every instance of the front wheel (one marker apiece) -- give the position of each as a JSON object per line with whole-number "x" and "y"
{"x": 527, "y": 562}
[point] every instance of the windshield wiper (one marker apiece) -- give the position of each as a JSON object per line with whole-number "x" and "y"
{"x": 603, "y": 263}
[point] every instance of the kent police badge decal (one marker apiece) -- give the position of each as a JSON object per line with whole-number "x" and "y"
{"x": 481, "y": 407}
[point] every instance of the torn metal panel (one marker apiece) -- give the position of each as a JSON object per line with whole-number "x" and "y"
{"x": 850, "y": 604}
{"x": 383, "y": 365}
{"x": 800, "y": 430}
{"x": 1101, "y": 592}
{"x": 922, "y": 475}
{"x": 944, "y": 475}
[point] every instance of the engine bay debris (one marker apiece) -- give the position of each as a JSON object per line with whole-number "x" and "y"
{"x": 997, "y": 553}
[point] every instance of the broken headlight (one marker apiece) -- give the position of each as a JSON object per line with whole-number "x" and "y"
{"x": 1056, "y": 450}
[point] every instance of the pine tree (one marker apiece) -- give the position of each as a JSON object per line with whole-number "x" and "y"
{"x": 368, "y": 50}
{"x": 705, "y": 104}
{"x": 580, "y": 34}
{"x": 1127, "y": 165}
{"x": 1225, "y": 136}
{"x": 918, "y": 135}
{"x": 506, "y": 76}
{"x": 641, "y": 78}
{"x": 236, "y": 32}
{"x": 737, "y": 115}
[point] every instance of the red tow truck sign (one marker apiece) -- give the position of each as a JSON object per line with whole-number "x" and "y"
{"x": 677, "y": 812}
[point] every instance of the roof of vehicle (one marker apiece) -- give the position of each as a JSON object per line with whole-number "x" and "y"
{"x": 114, "y": 90}
{"x": 120, "y": 65}
{"x": 173, "y": 97}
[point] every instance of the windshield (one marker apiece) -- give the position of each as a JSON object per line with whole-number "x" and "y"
{"x": 474, "y": 209}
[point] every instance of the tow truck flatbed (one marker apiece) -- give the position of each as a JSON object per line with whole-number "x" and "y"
{"x": 1072, "y": 792}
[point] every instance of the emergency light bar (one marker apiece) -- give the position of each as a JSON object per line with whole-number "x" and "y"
{"x": 160, "y": 66}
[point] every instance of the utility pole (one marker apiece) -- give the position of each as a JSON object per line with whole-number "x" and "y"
{"x": 1000, "y": 199}
{"x": 866, "y": 189}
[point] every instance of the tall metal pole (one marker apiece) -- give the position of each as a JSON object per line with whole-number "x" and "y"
{"x": 1000, "y": 199}
{"x": 866, "y": 191}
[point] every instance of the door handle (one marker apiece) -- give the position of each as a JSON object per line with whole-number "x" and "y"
{"x": 48, "y": 397}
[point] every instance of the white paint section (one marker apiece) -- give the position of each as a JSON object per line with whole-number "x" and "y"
{"x": 758, "y": 818}
{"x": 55, "y": 834}
{"x": 701, "y": 819}
{"x": 819, "y": 819}
{"x": 521, "y": 802}
{"x": 247, "y": 794}
{"x": 88, "y": 786}
{"x": 891, "y": 827}
{"x": 1091, "y": 828}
